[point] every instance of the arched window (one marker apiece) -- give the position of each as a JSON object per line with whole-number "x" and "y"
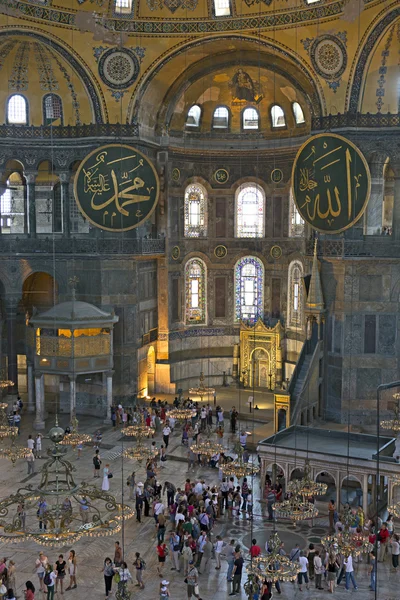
{"x": 298, "y": 113}
{"x": 250, "y": 201}
{"x": 296, "y": 224}
{"x": 195, "y": 211}
{"x": 220, "y": 118}
{"x": 249, "y": 289}
{"x": 193, "y": 116}
{"x": 250, "y": 118}
{"x": 277, "y": 116}
{"x": 52, "y": 109}
{"x": 17, "y": 110}
{"x": 222, "y": 8}
{"x": 195, "y": 291}
{"x": 12, "y": 205}
{"x": 123, "y": 6}
{"x": 295, "y": 295}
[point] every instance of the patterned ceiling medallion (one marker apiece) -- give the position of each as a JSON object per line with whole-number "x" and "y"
{"x": 175, "y": 252}
{"x": 119, "y": 68}
{"x": 276, "y": 252}
{"x": 329, "y": 56}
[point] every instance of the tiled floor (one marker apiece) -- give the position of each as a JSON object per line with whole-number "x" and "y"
{"x": 141, "y": 537}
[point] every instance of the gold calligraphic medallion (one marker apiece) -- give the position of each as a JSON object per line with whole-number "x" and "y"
{"x": 176, "y": 174}
{"x": 276, "y": 252}
{"x": 116, "y": 187}
{"x": 276, "y": 176}
{"x": 176, "y": 252}
{"x": 221, "y": 176}
{"x": 220, "y": 251}
{"x": 331, "y": 183}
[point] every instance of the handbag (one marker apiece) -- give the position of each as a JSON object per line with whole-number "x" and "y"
{"x": 3, "y": 589}
{"x": 163, "y": 458}
{"x": 110, "y": 476}
{"x": 196, "y": 589}
{"x": 117, "y": 578}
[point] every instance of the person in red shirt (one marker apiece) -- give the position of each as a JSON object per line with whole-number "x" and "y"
{"x": 162, "y": 553}
{"x": 254, "y": 550}
{"x": 383, "y": 537}
{"x": 29, "y": 591}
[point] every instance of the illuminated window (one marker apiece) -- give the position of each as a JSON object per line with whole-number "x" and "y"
{"x": 220, "y": 118}
{"x": 250, "y": 201}
{"x": 295, "y": 295}
{"x": 195, "y": 291}
{"x": 296, "y": 224}
{"x": 193, "y": 116}
{"x": 5, "y": 201}
{"x": 277, "y": 116}
{"x": 52, "y": 109}
{"x": 17, "y": 113}
{"x": 312, "y": 1}
{"x": 195, "y": 211}
{"x": 222, "y": 8}
{"x": 250, "y": 118}
{"x": 123, "y": 6}
{"x": 298, "y": 113}
{"x": 249, "y": 289}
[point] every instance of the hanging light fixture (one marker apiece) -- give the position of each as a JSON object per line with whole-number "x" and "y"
{"x": 75, "y": 437}
{"x": 58, "y": 511}
{"x": 346, "y": 542}
{"x": 305, "y": 486}
{"x": 140, "y": 452}
{"x": 296, "y": 508}
{"x": 15, "y": 451}
{"x": 202, "y": 390}
{"x": 207, "y": 447}
{"x": 393, "y": 424}
{"x": 273, "y": 567}
{"x": 6, "y": 430}
{"x": 181, "y": 414}
{"x": 239, "y": 468}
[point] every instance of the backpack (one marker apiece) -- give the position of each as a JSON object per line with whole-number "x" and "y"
{"x": 143, "y": 564}
{"x": 96, "y": 461}
{"x": 47, "y": 579}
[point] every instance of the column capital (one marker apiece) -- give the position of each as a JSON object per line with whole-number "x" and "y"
{"x": 64, "y": 176}
{"x": 72, "y": 377}
{"x": 109, "y": 373}
{"x": 30, "y": 176}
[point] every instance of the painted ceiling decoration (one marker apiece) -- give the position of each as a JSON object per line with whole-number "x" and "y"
{"x": 172, "y": 5}
{"x": 118, "y": 67}
{"x": 48, "y": 81}
{"x": 18, "y": 80}
{"x": 389, "y": 48}
{"x": 328, "y": 56}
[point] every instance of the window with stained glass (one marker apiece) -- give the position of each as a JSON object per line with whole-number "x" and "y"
{"x": 249, "y": 289}
{"x": 295, "y": 295}
{"x": 195, "y": 211}
{"x": 195, "y": 291}
{"x": 250, "y": 202}
{"x": 296, "y": 225}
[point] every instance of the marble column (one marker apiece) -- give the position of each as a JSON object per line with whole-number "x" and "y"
{"x": 109, "y": 390}
{"x": 64, "y": 182}
{"x": 375, "y": 203}
{"x": 31, "y": 388}
{"x": 338, "y": 490}
{"x": 396, "y": 202}
{"x": 30, "y": 202}
{"x": 39, "y": 419}
{"x": 365, "y": 494}
{"x": 11, "y": 311}
{"x": 72, "y": 396}
{"x": 373, "y": 492}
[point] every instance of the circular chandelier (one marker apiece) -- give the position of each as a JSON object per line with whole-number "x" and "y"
{"x": 295, "y": 509}
{"x": 140, "y": 452}
{"x": 58, "y": 511}
{"x": 140, "y": 430}
{"x": 239, "y": 468}
{"x": 202, "y": 389}
{"x": 181, "y": 414}
{"x": 305, "y": 486}
{"x": 74, "y": 438}
{"x": 207, "y": 447}
{"x": 347, "y": 543}
{"x": 393, "y": 424}
{"x": 273, "y": 567}
{"x": 6, "y": 430}
{"x": 6, "y": 383}
{"x": 15, "y": 451}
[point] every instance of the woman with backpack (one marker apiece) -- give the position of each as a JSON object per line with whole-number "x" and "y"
{"x": 140, "y": 567}
{"x": 49, "y": 580}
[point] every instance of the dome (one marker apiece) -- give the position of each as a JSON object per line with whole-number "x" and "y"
{"x": 73, "y": 314}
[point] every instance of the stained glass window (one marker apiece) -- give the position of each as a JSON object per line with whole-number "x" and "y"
{"x": 298, "y": 113}
{"x": 250, "y": 201}
{"x": 295, "y": 295}
{"x": 250, "y": 118}
{"x": 195, "y": 291}
{"x": 249, "y": 289}
{"x": 193, "y": 116}
{"x": 52, "y": 109}
{"x": 17, "y": 112}
{"x": 277, "y": 116}
{"x": 296, "y": 225}
{"x": 195, "y": 211}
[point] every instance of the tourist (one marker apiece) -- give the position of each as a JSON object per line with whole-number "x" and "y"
{"x": 105, "y": 485}
{"x": 60, "y": 568}
{"x": 174, "y": 548}
{"x": 192, "y": 582}
{"x": 124, "y": 576}
{"x": 372, "y": 562}
{"x": 383, "y": 538}
{"x": 41, "y": 564}
{"x": 117, "y": 555}
{"x": 318, "y": 570}
{"x": 206, "y": 560}
{"x": 187, "y": 555}
{"x": 72, "y": 571}
{"x": 395, "y": 546}
{"x": 11, "y": 575}
{"x": 303, "y": 563}
{"x": 270, "y": 503}
{"x": 332, "y": 569}
{"x": 30, "y": 460}
{"x": 237, "y": 572}
{"x": 139, "y": 501}
{"x": 30, "y": 443}
{"x": 166, "y": 432}
{"x": 108, "y": 572}
{"x": 310, "y": 557}
{"x": 140, "y": 566}
{"x": 162, "y": 552}
{"x": 131, "y": 483}
{"x": 255, "y": 550}
{"x": 38, "y": 445}
{"x": 348, "y": 564}
{"x": 331, "y": 512}
{"x": 29, "y": 591}
{"x": 96, "y": 464}
{"x": 49, "y": 580}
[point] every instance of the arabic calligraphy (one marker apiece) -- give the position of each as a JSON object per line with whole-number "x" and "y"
{"x": 116, "y": 187}
{"x": 331, "y": 183}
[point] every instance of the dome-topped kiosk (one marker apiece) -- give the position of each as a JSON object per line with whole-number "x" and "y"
{"x": 72, "y": 338}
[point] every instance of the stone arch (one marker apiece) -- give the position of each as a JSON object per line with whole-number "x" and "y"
{"x": 257, "y": 365}
{"x": 350, "y": 493}
{"x": 324, "y": 471}
{"x": 39, "y": 291}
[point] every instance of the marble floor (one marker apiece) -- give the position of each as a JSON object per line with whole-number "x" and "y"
{"x": 141, "y": 537}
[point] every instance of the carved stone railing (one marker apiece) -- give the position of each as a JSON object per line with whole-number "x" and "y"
{"x": 355, "y": 120}
{"x": 94, "y": 130}
{"x": 379, "y": 247}
{"x": 97, "y": 345}
{"x": 61, "y": 245}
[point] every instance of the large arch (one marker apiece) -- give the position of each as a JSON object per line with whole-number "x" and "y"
{"x": 81, "y": 68}
{"x": 146, "y": 107}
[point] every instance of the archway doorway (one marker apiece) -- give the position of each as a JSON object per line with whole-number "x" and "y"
{"x": 351, "y": 491}
{"x": 260, "y": 368}
{"x": 40, "y": 290}
{"x": 151, "y": 371}
{"x": 281, "y": 419}
{"x": 329, "y": 480}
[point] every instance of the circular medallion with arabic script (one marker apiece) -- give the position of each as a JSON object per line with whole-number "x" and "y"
{"x": 119, "y": 68}
{"x": 276, "y": 252}
{"x": 329, "y": 56}
{"x": 116, "y": 187}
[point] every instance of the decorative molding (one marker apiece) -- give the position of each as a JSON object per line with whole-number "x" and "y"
{"x": 119, "y": 68}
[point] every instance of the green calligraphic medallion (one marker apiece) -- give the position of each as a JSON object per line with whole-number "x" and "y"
{"x": 221, "y": 176}
{"x": 116, "y": 187}
{"x": 331, "y": 183}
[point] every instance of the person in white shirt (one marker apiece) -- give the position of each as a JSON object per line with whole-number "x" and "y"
{"x": 171, "y": 422}
{"x": 318, "y": 570}
{"x": 348, "y": 563}
{"x": 166, "y": 431}
{"x": 198, "y": 488}
{"x": 243, "y": 438}
{"x": 338, "y": 525}
{"x": 303, "y": 563}
{"x": 39, "y": 446}
{"x": 30, "y": 443}
{"x": 179, "y": 517}
{"x": 158, "y": 509}
{"x": 219, "y": 544}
